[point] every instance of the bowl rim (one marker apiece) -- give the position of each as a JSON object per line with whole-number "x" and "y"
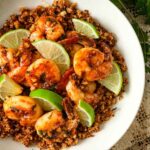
{"x": 144, "y": 80}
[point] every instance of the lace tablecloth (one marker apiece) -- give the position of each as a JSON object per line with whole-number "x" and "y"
{"x": 138, "y": 135}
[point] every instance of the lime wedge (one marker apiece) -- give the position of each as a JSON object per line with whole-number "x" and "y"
{"x": 54, "y": 51}
{"x": 48, "y": 100}
{"x": 114, "y": 81}
{"x": 86, "y": 113}
{"x": 13, "y": 39}
{"x": 85, "y": 28}
{"x": 8, "y": 87}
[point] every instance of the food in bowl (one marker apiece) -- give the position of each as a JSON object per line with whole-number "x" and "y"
{"x": 60, "y": 76}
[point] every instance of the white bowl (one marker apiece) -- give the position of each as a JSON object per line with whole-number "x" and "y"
{"x": 127, "y": 42}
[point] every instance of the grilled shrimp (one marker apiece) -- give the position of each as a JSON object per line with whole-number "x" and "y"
{"x": 42, "y": 73}
{"x": 86, "y": 93}
{"x": 48, "y": 123}
{"x": 15, "y": 62}
{"x": 46, "y": 26}
{"x": 90, "y": 64}
{"x": 8, "y": 60}
{"x": 80, "y": 39}
{"x": 18, "y": 73}
{"x": 75, "y": 41}
{"x": 23, "y": 109}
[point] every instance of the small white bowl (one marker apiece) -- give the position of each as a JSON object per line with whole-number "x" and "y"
{"x": 127, "y": 43}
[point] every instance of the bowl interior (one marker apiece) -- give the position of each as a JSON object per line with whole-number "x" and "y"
{"x": 127, "y": 43}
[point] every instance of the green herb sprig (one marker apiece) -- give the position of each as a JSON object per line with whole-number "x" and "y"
{"x": 141, "y": 7}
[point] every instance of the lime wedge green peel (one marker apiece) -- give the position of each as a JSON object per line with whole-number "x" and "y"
{"x": 54, "y": 51}
{"x": 48, "y": 100}
{"x": 86, "y": 113}
{"x": 85, "y": 28}
{"x": 13, "y": 39}
{"x": 8, "y": 87}
{"x": 114, "y": 81}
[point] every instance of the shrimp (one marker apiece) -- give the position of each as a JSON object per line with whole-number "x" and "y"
{"x": 47, "y": 124}
{"x": 86, "y": 92}
{"x": 90, "y": 64}
{"x": 81, "y": 39}
{"x": 75, "y": 41}
{"x": 7, "y": 59}
{"x": 46, "y": 27}
{"x": 37, "y": 35}
{"x": 42, "y": 73}
{"x": 73, "y": 49}
{"x": 14, "y": 62}
{"x": 23, "y": 109}
{"x": 23, "y": 58}
{"x": 71, "y": 113}
{"x": 18, "y": 73}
